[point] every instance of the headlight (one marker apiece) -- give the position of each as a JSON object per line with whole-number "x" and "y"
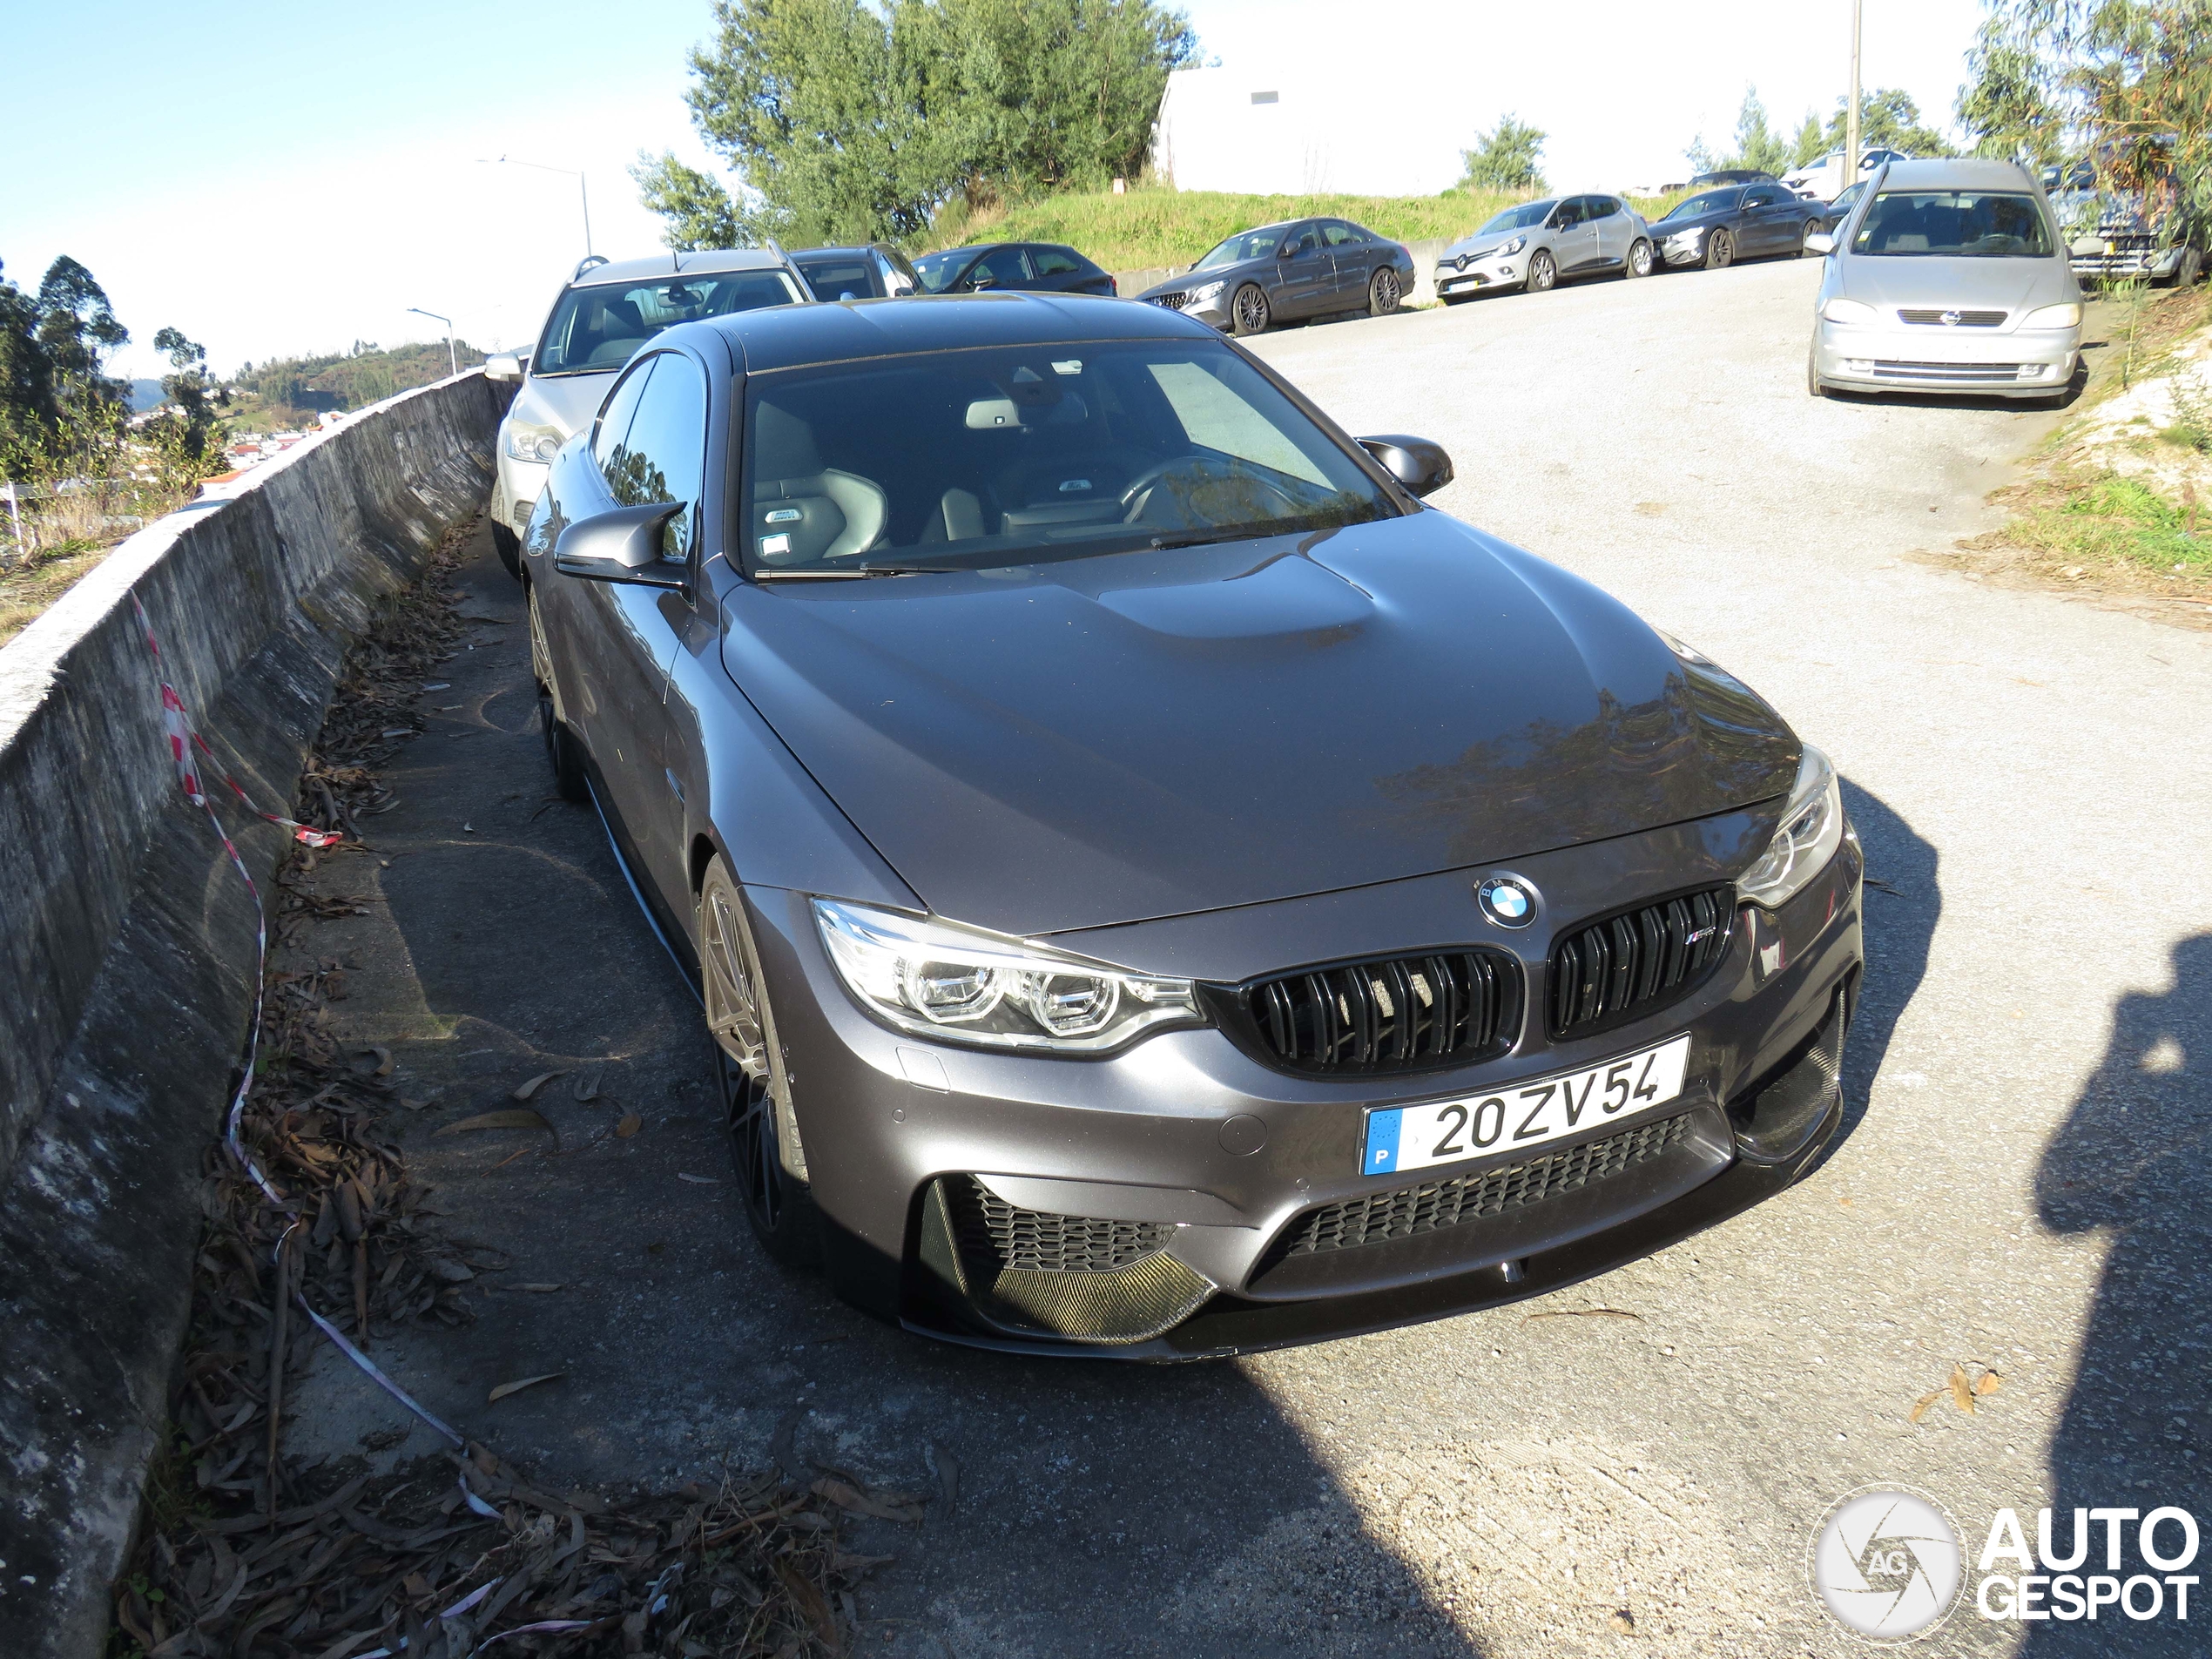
{"x": 1688, "y": 236}
{"x": 2066, "y": 316}
{"x": 939, "y": 979}
{"x": 1812, "y": 828}
{"x": 533, "y": 442}
{"x": 1842, "y": 310}
{"x": 1514, "y": 246}
{"x": 1204, "y": 292}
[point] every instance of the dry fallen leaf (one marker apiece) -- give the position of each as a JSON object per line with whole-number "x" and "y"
{"x": 383, "y": 1061}
{"x": 586, "y": 1086}
{"x": 1921, "y": 1405}
{"x": 698, "y": 1180}
{"x": 1988, "y": 1383}
{"x": 537, "y": 1083}
{"x": 506, "y": 1118}
{"x": 1962, "y": 1392}
{"x": 630, "y": 1125}
{"x": 1581, "y": 1313}
{"x": 516, "y": 1387}
{"x": 541, "y": 1289}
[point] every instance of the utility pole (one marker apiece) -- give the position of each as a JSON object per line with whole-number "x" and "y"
{"x": 452, "y": 363}
{"x": 582, "y": 188}
{"x": 1850, "y": 111}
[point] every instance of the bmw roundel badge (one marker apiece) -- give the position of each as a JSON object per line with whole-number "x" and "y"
{"x": 1507, "y": 900}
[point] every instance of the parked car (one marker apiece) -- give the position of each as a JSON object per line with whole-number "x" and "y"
{"x": 1839, "y": 210}
{"x": 1717, "y": 227}
{"x": 606, "y": 313}
{"x": 1157, "y": 888}
{"x": 1289, "y": 272}
{"x": 1533, "y": 245}
{"x": 2114, "y": 234}
{"x": 867, "y": 271}
{"x": 1952, "y": 276}
{"x": 1824, "y": 181}
{"x": 1044, "y": 267}
{"x": 1732, "y": 176}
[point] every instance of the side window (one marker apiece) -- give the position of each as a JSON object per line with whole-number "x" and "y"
{"x": 1604, "y": 207}
{"x": 1340, "y": 235}
{"x": 1051, "y": 262}
{"x": 614, "y": 425}
{"x": 1567, "y": 214}
{"x": 1761, "y": 197}
{"x": 1009, "y": 267}
{"x": 1303, "y": 240}
{"x": 663, "y": 456}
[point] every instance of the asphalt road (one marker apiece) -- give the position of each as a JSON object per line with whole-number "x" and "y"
{"x": 2021, "y": 1185}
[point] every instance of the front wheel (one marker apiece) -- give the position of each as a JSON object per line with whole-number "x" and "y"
{"x": 1639, "y": 263}
{"x": 1720, "y": 251}
{"x": 561, "y": 751}
{"x": 1806, "y": 230}
{"x": 1814, "y": 384}
{"x": 509, "y": 546}
{"x": 1383, "y": 292}
{"x": 749, "y": 1070}
{"x": 1249, "y": 313}
{"x": 1543, "y": 273}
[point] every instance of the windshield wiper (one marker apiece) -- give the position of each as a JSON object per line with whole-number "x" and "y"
{"x": 857, "y": 573}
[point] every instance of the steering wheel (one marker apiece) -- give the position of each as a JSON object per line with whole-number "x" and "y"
{"x": 1137, "y": 500}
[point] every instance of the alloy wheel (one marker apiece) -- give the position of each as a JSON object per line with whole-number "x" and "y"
{"x": 1250, "y": 310}
{"x": 1640, "y": 259}
{"x": 1719, "y": 252}
{"x": 741, "y": 1053}
{"x": 1383, "y": 293}
{"x": 1542, "y": 272}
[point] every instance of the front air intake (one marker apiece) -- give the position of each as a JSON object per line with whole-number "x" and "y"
{"x": 1447, "y": 1008}
{"x": 1623, "y": 966}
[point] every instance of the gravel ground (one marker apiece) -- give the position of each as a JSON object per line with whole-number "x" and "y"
{"x": 2020, "y": 1188}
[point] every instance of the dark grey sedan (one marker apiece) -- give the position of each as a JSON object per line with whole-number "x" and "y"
{"x": 1287, "y": 273}
{"x": 1156, "y": 887}
{"x": 1717, "y": 227}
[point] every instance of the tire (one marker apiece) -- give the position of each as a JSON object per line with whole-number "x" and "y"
{"x": 1720, "y": 251}
{"x": 1384, "y": 291}
{"x": 562, "y": 752}
{"x": 1639, "y": 261}
{"x": 1543, "y": 272}
{"x": 1814, "y": 384}
{"x": 1805, "y": 230}
{"x": 1249, "y": 311}
{"x": 508, "y": 547}
{"x": 1455, "y": 298}
{"x": 752, "y": 1081}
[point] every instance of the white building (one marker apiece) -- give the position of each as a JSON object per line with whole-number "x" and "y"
{"x": 1255, "y": 129}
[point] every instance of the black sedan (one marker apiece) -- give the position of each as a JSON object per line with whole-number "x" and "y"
{"x": 1288, "y": 273}
{"x": 1717, "y": 227}
{"x": 1155, "y": 887}
{"x": 1035, "y": 267}
{"x": 865, "y": 271}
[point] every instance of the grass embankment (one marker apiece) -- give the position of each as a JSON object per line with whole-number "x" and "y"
{"x": 2118, "y": 503}
{"x": 28, "y": 588}
{"x": 1149, "y": 228}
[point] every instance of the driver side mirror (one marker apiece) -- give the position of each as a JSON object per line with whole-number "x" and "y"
{"x": 508, "y": 366}
{"x": 1422, "y": 466}
{"x": 1820, "y": 242}
{"x": 980, "y": 282}
{"x": 621, "y": 546}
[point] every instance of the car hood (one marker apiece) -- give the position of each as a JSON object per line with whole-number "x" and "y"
{"x": 1666, "y": 227}
{"x": 1195, "y": 277}
{"x": 1483, "y": 242}
{"x": 1116, "y": 738}
{"x": 565, "y": 402}
{"x": 2015, "y": 284}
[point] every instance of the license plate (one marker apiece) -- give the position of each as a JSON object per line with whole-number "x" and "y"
{"x": 1522, "y": 1115}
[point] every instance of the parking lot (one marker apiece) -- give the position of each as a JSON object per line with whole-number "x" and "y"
{"x": 1641, "y": 1459}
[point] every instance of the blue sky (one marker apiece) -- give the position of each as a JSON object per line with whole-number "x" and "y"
{"x": 277, "y": 180}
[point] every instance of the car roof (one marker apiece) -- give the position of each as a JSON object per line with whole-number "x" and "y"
{"x": 661, "y": 265}
{"x": 835, "y": 249}
{"x": 789, "y": 336}
{"x": 1958, "y": 171}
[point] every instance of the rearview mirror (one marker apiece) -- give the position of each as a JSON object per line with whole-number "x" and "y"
{"x": 1820, "y": 242}
{"x": 621, "y": 546}
{"x": 506, "y": 367}
{"x": 1422, "y": 466}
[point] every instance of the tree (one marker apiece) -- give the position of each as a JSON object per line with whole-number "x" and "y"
{"x": 190, "y": 440}
{"x": 1756, "y": 145}
{"x": 848, "y": 121}
{"x": 1510, "y": 157}
{"x": 1888, "y": 118}
{"x": 1810, "y": 144}
{"x": 2128, "y": 83}
{"x": 58, "y": 406}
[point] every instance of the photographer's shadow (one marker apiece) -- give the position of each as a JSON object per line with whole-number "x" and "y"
{"x": 2132, "y": 1160}
{"x": 1903, "y": 901}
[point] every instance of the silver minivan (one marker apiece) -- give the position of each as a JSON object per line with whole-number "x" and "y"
{"x": 1946, "y": 276}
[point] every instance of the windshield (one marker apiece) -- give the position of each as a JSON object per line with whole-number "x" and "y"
{"x": 1713, "y": 202}
{"x": 1519, "y": 218}
{"x": 842, "y": 277}
{"x": 1021, "y": 454}
{"x": 598, "y": 329}
{"x": 1953, "y": 224}
{"x": 938, "y": 270}
{"x": 1245, "y": 244}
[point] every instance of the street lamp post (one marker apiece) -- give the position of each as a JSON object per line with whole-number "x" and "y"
{"x": 583, "y": 190}
{"x": 1850, "y": 114}
{"x": 453, "y": 362}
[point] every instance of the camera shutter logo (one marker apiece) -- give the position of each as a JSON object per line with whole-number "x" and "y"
{"x": 1887, "y": 1564}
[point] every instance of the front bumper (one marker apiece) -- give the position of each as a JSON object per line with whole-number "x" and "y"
{"x": 1682, "y": 250}
{"x": 2118, "y": 262}
{"x": 1213, "y": 312}
{"x": 1479, "y": 276}
{"x": 1220, "y": 1154}
{"x": 517, "y": 488}
{"x": 2016, "y": 362}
